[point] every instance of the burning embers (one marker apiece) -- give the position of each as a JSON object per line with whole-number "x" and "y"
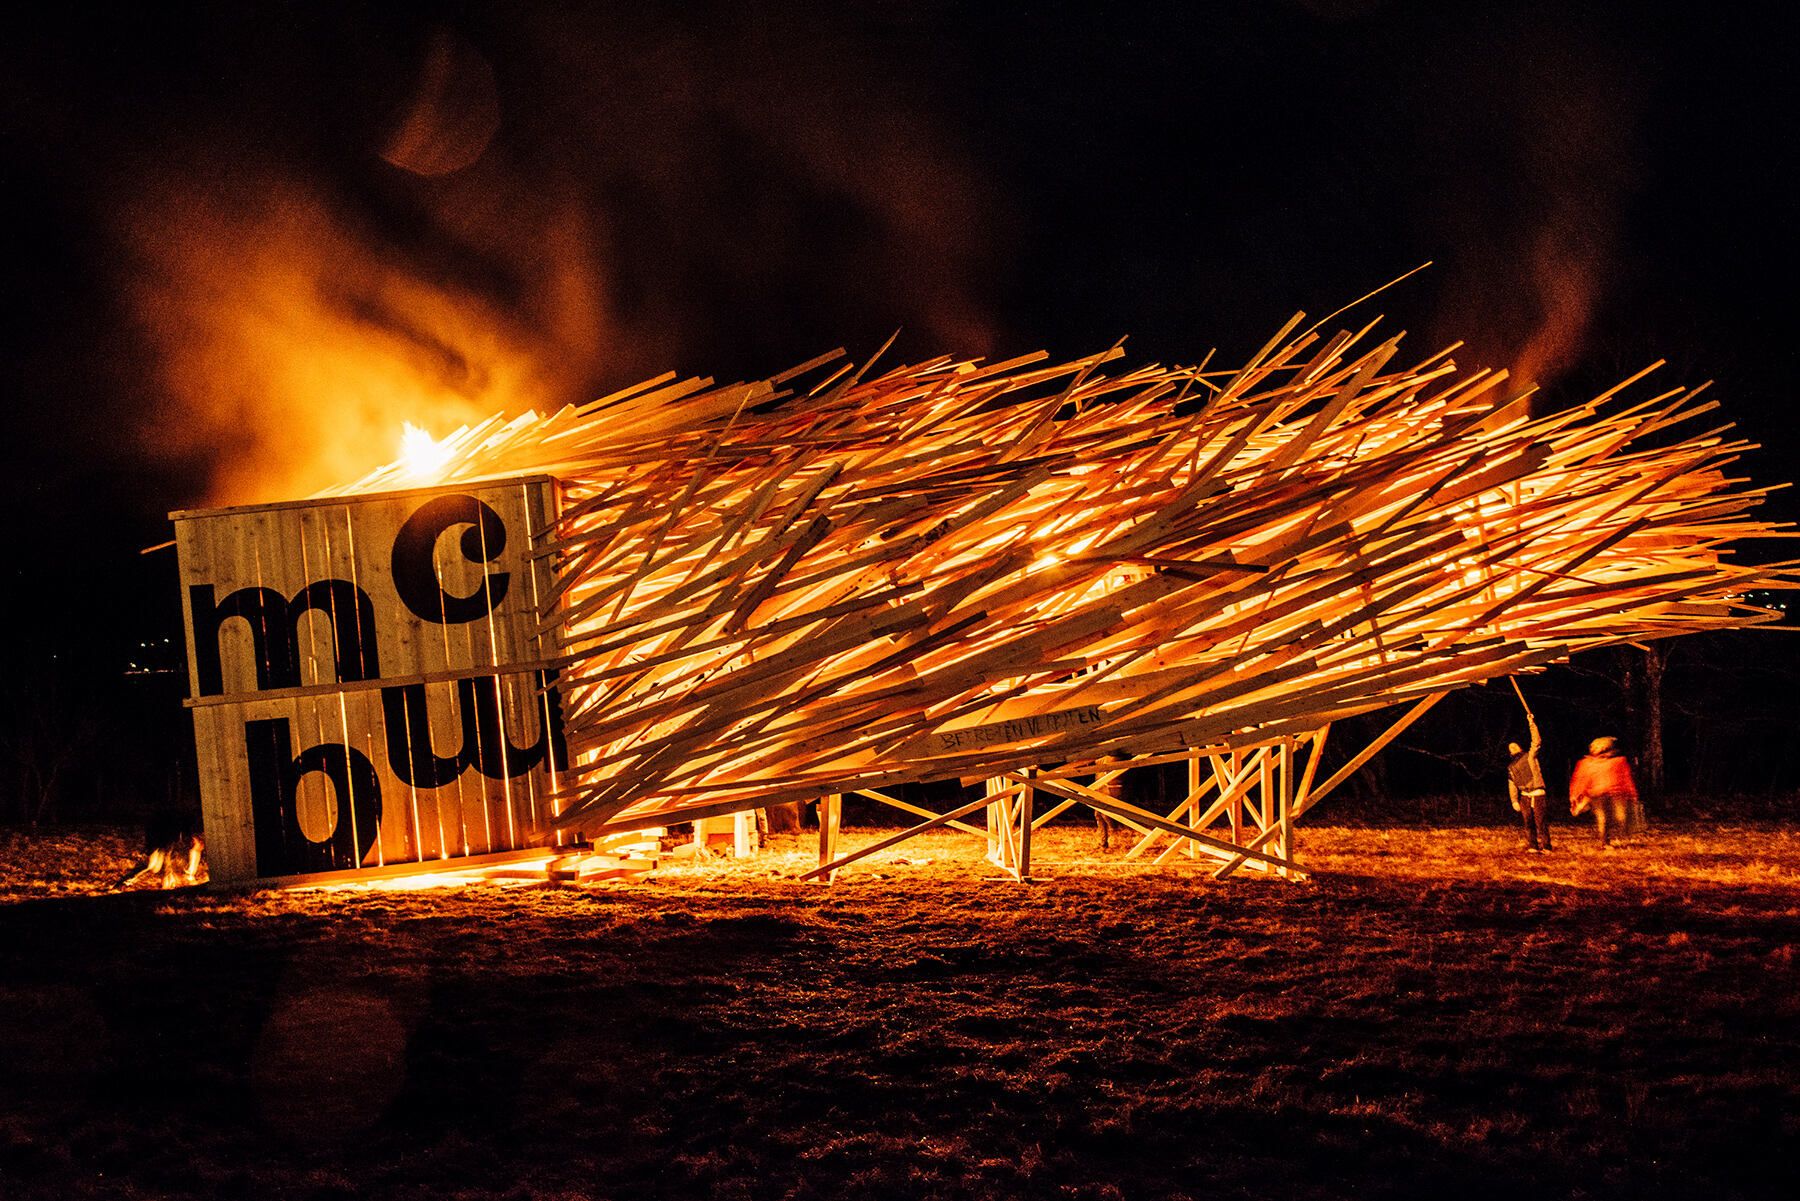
{"x": 176, "y": 856}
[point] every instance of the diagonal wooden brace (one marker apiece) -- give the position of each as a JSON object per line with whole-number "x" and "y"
{"x": 942, "y": 819}
{"x": 1131, "y": 814}
{"x": 1303, "y": 802}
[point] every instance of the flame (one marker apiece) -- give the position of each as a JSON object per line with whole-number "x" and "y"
{"x": 423, "y": 455}
{"x": 292, "y": 346}
{"x": 182, "y": 864}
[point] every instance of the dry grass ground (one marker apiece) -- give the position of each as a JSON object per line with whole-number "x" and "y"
{"x": 1434, "y": 1013}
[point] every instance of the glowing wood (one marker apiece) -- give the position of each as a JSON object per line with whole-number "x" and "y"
{"x": 766, "y": 592}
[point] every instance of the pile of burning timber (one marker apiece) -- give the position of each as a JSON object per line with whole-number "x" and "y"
{"x": 839, "y": 578}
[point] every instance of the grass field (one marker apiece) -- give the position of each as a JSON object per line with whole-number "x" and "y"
{"x": 1432, "y": 1014}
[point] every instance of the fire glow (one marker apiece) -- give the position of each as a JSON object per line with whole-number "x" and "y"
{"x": 425, "y": 457}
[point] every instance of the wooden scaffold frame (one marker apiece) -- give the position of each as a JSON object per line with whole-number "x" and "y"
{"x": 1238, "y": 811}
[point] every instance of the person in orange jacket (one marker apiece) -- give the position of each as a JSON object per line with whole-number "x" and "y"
{"x": 1602, "y": 780}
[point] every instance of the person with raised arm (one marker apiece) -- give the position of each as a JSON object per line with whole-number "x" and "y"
{"x": 1525, "y": 784}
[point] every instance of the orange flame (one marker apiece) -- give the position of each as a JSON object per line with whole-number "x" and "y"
{"x": 423, "y": 455}
{"x": 294, "y": 346}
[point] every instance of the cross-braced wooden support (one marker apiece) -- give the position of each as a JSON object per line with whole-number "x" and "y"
{"x": 1009, "y": 823}
{"x": 1238, "y": 811}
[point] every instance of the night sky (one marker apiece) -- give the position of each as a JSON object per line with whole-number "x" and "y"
{"x": 247, "y": 240}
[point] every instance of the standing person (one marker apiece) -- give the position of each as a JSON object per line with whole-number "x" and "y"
{"x": 1603, "y": 780}
{"x": 1525, "y": 783}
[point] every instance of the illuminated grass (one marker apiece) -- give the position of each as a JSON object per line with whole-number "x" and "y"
{"x": 1433, "y": 1013}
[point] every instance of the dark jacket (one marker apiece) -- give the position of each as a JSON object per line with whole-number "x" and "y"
{"x": 1523, "y": 774}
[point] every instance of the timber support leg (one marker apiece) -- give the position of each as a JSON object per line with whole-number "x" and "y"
{"x": 1194, "y": 790}
{"x": 1022, "y": 868}
{"x": 995, "y": 790}
{"x": 831, "y": 816}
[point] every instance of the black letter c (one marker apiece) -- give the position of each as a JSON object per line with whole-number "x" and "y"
{"x": 415, "y": 567}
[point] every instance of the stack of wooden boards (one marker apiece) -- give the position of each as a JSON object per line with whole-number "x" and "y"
{"x": 785, "y": 589}
{"x": 614, "y": 857}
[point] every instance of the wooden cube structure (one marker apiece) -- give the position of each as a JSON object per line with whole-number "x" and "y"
{"x": 369, "y": 680}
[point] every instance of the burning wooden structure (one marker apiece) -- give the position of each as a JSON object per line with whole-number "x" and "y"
{"x": 841, "y": 580}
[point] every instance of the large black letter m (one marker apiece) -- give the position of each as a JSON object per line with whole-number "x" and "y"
{"x": 274, "y": 621}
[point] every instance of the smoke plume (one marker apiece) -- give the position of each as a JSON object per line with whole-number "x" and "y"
{"x": 500, "y": 219}
{"x": 1531, "y": 193}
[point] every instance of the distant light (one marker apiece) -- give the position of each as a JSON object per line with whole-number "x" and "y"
{"x": 423, "y": 455}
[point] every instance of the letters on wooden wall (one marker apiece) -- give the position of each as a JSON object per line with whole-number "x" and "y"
{"x": 368, "y": 680}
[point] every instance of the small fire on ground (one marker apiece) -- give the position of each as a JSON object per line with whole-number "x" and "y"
{"x": 179, "y": 864}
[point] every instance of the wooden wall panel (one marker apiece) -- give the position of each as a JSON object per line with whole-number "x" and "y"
{"x": 367, "y": 678}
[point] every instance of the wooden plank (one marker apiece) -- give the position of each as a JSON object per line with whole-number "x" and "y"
{"x": 1285, "y": 803}
{"x": 1129, "y": 812}
{"x": 828, "y": 868}
{"x": 1027, "y": 795}
{"x": 1338, "y": 777}
{"x": 1369, "y": 752}
{"x": 392, "y": 871}
{"x": 876, "y": 794}
{"x": 831, "y": 815}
